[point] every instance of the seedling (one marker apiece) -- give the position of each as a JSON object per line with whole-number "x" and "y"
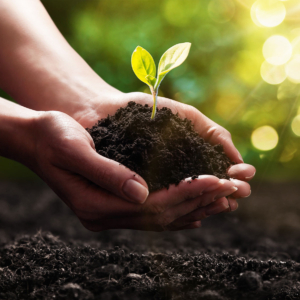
{"x": 143, "y": 66}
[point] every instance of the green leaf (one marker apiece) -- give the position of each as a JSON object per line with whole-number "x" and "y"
{"x": 151, "y": 79}
{"x": 171, "y": 59}
{"x": 143, "y": 66}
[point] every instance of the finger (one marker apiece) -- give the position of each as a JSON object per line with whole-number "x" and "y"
{"x": 233, "y": 205}
{"x": 108, "y": 174}
{"x": 187, "y": 207}
{"x": 159, "y": 201}
{"x": 228, "y": 188}
{"x": 88, "y": 200}
{"x": 219, "y": 135}
{"x": 243, "y": 172}
{"x": 213, "y": 133}
{"x": 214, "y": 208}
{"x": 243, "y": 189}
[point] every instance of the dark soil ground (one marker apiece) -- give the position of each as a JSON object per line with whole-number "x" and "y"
{"x": 163, "y": 151}
{"x": 253, "y": 253}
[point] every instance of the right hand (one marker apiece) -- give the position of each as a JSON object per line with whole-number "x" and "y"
{"x": 106, "y": 195}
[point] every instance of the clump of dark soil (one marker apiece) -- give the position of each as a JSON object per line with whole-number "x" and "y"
{"x": 163, "y": 151}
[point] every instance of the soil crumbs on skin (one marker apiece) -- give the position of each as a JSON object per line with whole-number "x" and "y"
{"x": 163, "y": 151}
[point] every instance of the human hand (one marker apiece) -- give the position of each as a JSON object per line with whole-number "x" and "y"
{"x": 92, "y": 185}
{"x": 209, "y": 130}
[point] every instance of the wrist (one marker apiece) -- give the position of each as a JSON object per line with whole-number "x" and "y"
{"x": 17, "y": 132}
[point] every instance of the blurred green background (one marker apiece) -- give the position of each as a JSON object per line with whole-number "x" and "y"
{"x": 243, "y": 70}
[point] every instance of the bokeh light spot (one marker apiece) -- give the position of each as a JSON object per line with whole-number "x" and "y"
{"x": 272, "y": 74}
{"x": 277, "y": 50}
{"x": 296, "y": 125}
{"x": 221, "y": 11}
{"x": 264, "y": 138}
{"x": 296, "y": 45}
{"x": 293, "y": 70}
{"x": 253, "y": 14}
{"x": 270, "y": 13}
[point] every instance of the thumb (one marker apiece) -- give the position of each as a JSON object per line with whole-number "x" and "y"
{"x": 110, "y": 175}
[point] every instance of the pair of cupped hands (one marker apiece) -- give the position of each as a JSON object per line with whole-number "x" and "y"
{"x": 106, "y": 195}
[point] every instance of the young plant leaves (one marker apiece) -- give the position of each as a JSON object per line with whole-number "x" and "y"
{"x": 171, "y": 59}
{"x": 143, "y": 66}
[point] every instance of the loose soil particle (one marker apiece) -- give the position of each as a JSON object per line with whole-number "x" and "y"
{"x": 163, "y": 151}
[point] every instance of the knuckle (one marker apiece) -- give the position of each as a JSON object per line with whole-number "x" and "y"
{"x": 227, "y": 133}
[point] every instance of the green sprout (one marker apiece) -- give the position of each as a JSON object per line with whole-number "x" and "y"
{"x": 143, "y": 66}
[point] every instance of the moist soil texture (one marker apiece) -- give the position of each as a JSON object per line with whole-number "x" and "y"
{"x": 253, "y": 253}
{"x": 163, "y": 151}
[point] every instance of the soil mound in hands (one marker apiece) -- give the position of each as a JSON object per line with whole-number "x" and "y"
{"x": 163, "y": 151}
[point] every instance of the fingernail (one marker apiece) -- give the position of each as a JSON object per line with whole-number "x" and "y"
{"x": 216, "y": 209}
{"x": 227, "y": 192}
{"x": 135, "y": 191}
{"x": 250, "y": 177}
{"x": 247, "y": 195}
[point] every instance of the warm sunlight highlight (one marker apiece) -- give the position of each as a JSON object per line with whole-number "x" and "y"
{"x": 264, "y": 138}
{"x": 268, "y": 13}
{"x": 296, "y": 125}
{"x": 277, "y": 50}
{"x": 293, "y": 70}
{"x": 272, "y": 74}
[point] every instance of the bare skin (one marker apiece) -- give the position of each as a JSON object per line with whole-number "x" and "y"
{"x": 42, "y": 72}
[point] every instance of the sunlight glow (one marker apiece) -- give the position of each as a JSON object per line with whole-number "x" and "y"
{"x": 253, "y": 14}
{"x": 269, "y": 13}
{"x": 272, "y": 74}
{"x": 296, "y": 125}
{"x": 277, "y": 50}
{"x": 264, "y": 138}
{"x": 296, "y": 45}
{"x": 293, "y": 70}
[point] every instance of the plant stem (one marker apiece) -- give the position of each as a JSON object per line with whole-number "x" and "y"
{"x": 154, "y": 94}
